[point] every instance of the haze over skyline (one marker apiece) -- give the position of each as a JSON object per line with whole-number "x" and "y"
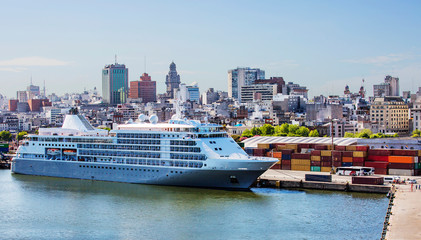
{"x": 323, "y": 45}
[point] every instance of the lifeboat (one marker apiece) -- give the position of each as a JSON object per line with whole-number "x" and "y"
{"x": 69, "y": 152}
{"x": 53, "y": 151}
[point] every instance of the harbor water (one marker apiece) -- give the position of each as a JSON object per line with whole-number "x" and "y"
{"x": 33, "y": 207}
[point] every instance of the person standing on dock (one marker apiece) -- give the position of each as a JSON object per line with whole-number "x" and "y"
{"x": 412, "y": 187}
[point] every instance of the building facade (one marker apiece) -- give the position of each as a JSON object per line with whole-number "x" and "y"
{"x": 172, "y": 80}
{"x": 390, "y": 87}
{"x": 416, "y": 114}
{"x": 240, "y": 77}
{"x": 115, "y": 84}
{"x": 144, "y": 89}
{"x": 390, "y": 114}
{"x": 263, "y": 92}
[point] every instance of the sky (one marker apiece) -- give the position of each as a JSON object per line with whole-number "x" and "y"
{"x": 323, "y": 45}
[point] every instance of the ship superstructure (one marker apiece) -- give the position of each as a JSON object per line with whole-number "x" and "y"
{"x": 180, "y": 152}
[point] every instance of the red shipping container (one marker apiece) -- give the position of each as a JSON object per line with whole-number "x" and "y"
{"x": 378, "y": 158}
{"x": 368, "y": 180}
{"x": 286, "y": 162}
{"x": 337, "y": 153}
{"x": 358, "y": 164}
{"x": 401, "y": 165}
{"x": 380, "y": 152}
{"x": 340, "y": 148}
{"x": 347, "y": 154}
{"x": 337, "y": 164}
{"x": 303, "y": 145}
{"x": 382, "y": 171}
{"x": 362, "y": 148}
{"x": 358, "y": 159}
{"x": 287, "y": 151}
{"x": 286, "y": 167}
{"x": 326, "y": 158}
{"x": 417, "y": 172}
{"x": 320, "y": 147}
{"x": 300, "y": 156}
{"x": 315, "y": 153}
{"x": 275, "y": 145}
{"x": 315, "y": 163}
{"x": 398, "y": 152}
{"x": 376, "y": 164}
{"x": 325, "y": 164}
{"x": 337, "y": 159}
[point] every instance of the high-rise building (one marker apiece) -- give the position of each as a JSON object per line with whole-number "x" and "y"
{"x": 240, "y": 77}
{"x": 390, "y": 114}
{"x": 115, "y": 84}
{"x": 144, "y": 89}
{"x": 172, "y": 80}
{"x": 390, "y": 87}
{"x": 22, "y": 96}
{"x": 263, "y": 92}
{"x": 189, "y": 93}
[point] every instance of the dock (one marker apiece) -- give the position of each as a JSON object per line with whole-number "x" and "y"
{"x": 296, "y": 179}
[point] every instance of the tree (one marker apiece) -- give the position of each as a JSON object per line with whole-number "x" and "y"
{"x": 247, "y": 133}
{"x": 292, "y": 129}
{"x": 416, "y": 133}
{"x": 5, "y": 136}
{"x": 303, "y": 131}
{"x": 284, "y": 128}
{"x": 365, "y": 133}
{"x": 349, "y": 135}
{"x": 236, "y": 138}
{"x": 256, "y": 131}
{"x": 267, "y": 130}
{"x": 314, "y": 133}
{"x": 21, "y": 135}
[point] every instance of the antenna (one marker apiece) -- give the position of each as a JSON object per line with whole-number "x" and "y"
{"x": 116, "y": 59}
{"x": 44, "y": 89}
{"x": 145, "y": 64}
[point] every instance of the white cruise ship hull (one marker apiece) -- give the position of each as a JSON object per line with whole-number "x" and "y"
{"x": 221, "y": 173}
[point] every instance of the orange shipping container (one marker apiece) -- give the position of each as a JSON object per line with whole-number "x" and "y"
{"x": 346, "y": 159}
{"x": 401, "y": 159}
{"x": 315, "y": 158}
{"x": 277, "y": 154}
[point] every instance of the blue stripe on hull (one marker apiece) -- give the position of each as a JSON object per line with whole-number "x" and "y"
{"x": 138, "y": 174}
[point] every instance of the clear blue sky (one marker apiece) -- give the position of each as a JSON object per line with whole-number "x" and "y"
{"x": 323, "y": 45}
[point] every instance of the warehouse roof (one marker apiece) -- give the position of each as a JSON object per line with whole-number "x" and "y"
{"x": 252, "y": 142}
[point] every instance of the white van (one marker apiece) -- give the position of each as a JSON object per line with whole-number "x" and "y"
{"x": 390, "y": 179}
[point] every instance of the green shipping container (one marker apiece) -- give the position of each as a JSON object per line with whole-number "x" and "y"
{"x": 315, "y": 168}
{"x": 417, "y": 166}
{"x": 4, "y": 145}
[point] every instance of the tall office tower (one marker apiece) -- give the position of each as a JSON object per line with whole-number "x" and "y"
{"x": 144, "y": 89}
{"x": 394, "y": 85}
{"x": 115, "y": 84}
{"x": 22, "y": 96}
{"x": 172, "y": 80}
{"x": 240, "y": 77}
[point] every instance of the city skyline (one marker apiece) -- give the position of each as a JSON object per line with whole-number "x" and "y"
{"x": 324, "y": 45}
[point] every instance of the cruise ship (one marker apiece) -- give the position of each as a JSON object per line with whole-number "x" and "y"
{"x": 180, "y": 153}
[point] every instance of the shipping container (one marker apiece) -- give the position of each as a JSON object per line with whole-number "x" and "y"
{"x": 351, "y": 148}
{"x": 276, "y": 166}
{"x": 347, "y": 164}
{"x": 379, "y": 152}
{"x": 417, "y": 172}
{"x": 276, "y": 154}
{"x": 326, "y": 164}
{"x": 346, "y": 159}
{"x": 315, "y": 153}
{"x": 380, "y": 171}
{"x": 337, "y": 159}
{"x": 368, "y": 180}
{"x": 300, "y": 162}
{"x": 300, "y": 167}
{"x": 315, "y": 158}
{"x": 324, "y": 158}
{"x": 401, "y": 159}
{"x": 318, "y": 178}
{"x": 300, "y": 156}
{"x": 358, "y": 164}
{"x": 286, "y": 167}
{"x": 303, "y": 145}
{"x": 358, "y": 159}
{"x": 263, "y": 145}
{"x": 286, "y": 157}
{"x": 320, "y": 147}
{"x": 337, "y": 153}
{"x": 378, "y": 158}
{"x": 361, "y": 148}
{"x": 376, "y": 164}
{"x": 337, "y": 164}
{"x": 359, "y": 154}
{"x": 402, "y": 165}
{"x": 419, "y": 153}
{"x": 315, "y": 163}
{"x": 401, "y": 172}
{"x": 315, "y": 168}
{"x": 325, "y": 169}
{"x": 340, "y": 148}
{"x": 326, "y": 153}
{"x": 287, "y": 151}
{"x": 399, "y": 152}
{"x": 347, "y": 154}
{"x": 286, "y": 162}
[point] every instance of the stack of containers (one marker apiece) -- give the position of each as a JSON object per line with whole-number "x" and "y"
{"x": 337, "y": 158}
{"x": 326, "y": 160}
{"x": 379, "y": 160}
{"x": 315, "y": 159}
{"x": 300, "y": 162}
{"x": 359, "y": 156}
{"x": 347, "y": 158}
{"x": 277, "y": 155}
{"x": 417, "y": 170}
{"x": 402, "y": 162}
{"x": 286, "y": 159}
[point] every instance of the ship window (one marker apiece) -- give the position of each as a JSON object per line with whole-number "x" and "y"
{"x": 171, "y": 171}
{"x": 216, "y": 149}
{"x": 220, "y": 148}
{"x": 181, "y": 172}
